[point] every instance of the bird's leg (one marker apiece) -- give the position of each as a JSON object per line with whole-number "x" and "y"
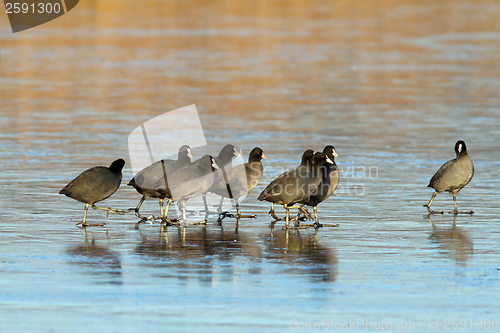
{"x": 136, "y": 209}
{"x": 273, "y": 214}
{"x": 222, "y": 214}
{"x": 165, "y": 216}
{"x": 205, "y": 204}
{"x": 183, "y": 222}
{"x": 456, "y": 211}
{"x": 428, "y": 206}
{"x": 84, "y": 221}
{"x": 316, "y": 221}
{"x": 193, "y": 212}
{"x": 161, "y": 207}
{"x": 305, "y": 212}
{"x": 315, "y": 224}
{"x": 182, "y": 217}
{"x": 239, "y": 215}
{"x": 207, "y": 211}
{"x": 219, "y": 208}
{"x": 142, "y": 218}
{"x": 287, "y": 218}
{"x": 183, "y": 207}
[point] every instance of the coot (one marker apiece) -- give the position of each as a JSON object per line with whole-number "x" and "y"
{"x": 188, "y": 182}
{"x": 328, "y": 184}
{"x": 240, "y": 180}
{"x": 304, "y": 166}
{"x": 452, "y": 177}
{"x": 145, "y": 180}
{"x": 296, "y": 187}
{"x": 95, "y": 184}
{"x": 223, "y": 161}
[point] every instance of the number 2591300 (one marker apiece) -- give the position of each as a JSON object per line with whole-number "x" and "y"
{"x": 40, "y": 8}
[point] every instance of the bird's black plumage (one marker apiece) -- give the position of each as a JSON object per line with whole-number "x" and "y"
{"x": 453, "y": 175}
{"x": 95, "y": 184}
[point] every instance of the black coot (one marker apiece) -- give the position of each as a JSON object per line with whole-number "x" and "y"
{"x": 145, "y": 180}
{"x": 296, "y": 187}
{"x": 452, "y": 177}
{"x": 328, "y": 184}
{"x": 223, "y": 161}
{"x": 188, "y": 182}
{"x": 303, "y": 168}
{"x": 240, "y": 180}
{"x": 95, "y": 184}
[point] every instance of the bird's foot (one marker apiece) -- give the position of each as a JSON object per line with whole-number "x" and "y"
{"x": 136, "y": 212}
{"x": 433, "y": 211}
{"x": 318, "y": 225}
{"x": 238, "y": 216}
{"x": 274, "y": 216}
{"x": 181, "y": 223}
{"x": 223, "y": 215}
{"x": 241, "y": 216}
{"x": 294, "y": 226}
{"x": 169, "y": 222}
{"x": 306, "y": 213}
{"x": 112, "y": 210}
{"x": 146, "y": 219}
{"x": 322, "y": 225}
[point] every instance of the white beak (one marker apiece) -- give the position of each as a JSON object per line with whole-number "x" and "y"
{"x": 329, "y": 160}
{"x": 214, "y": 165}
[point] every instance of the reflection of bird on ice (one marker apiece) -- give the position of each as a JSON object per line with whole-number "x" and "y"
{"x": 453, "y": 241}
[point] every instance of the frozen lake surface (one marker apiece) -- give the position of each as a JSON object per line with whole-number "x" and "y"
{"x": 391, "y": 85}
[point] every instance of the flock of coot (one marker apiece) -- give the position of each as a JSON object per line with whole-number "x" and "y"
{"x": 312, "y": 182}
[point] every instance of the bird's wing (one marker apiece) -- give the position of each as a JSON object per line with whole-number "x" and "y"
{"x": 440, "y": 172}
